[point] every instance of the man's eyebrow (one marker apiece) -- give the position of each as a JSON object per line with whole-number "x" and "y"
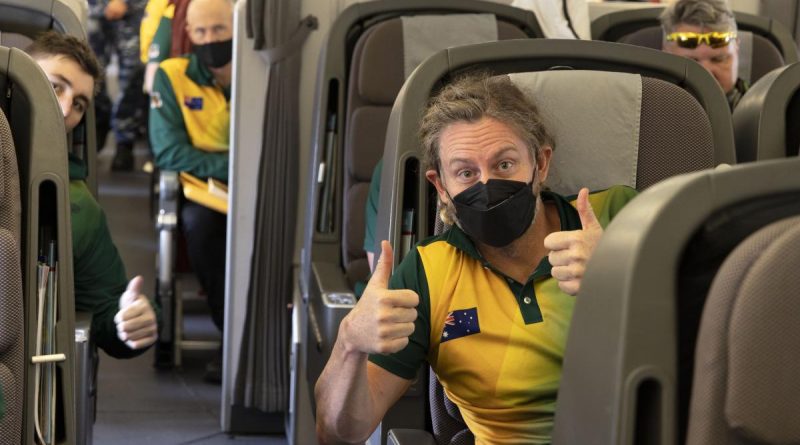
{"x": 63, "y": 79}
{"x": 500, "y": 153}
{"x": 83, "y": 98}
{"x": 459, "y": 161}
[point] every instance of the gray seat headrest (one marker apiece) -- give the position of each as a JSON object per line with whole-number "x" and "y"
{"x": 597, "y": 141}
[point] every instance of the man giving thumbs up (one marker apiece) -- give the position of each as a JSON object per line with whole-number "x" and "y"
{"x": 488, "y": 302}
{"x": 570, "y": 251}
{"x": 136, "y": 320}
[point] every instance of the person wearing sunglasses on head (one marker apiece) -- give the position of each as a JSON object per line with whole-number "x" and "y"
{"x": 705, "y": 31}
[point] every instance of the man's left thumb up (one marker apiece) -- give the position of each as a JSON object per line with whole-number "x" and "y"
{"x": 585, "y": 211}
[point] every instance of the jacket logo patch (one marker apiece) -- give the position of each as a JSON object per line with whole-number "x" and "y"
{"x": 193, "y": 103}
{"x": 154, "y": 51}
{"x": 155, "y": 100}
{"x": 460, "y": 323}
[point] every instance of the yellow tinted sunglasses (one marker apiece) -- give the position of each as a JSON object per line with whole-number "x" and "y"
{"x": 692, "y": 40}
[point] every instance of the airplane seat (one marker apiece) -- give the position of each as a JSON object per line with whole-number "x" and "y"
{"x": 764, "y": 44}
{"x": 765, "y": 121}
{"x": 743, "y": 390}
{"x": 37, "y": 129}
{"x": 12, "y": 337}
{"x": 14, "y": 40}
{"x": 370, "y": 52}
{"x": 172, "y": 264}
{"x": 377, "y": 74}
{"x": 378, "y": 68}
{"x": 20, "y": 22}
{"x": 659, "y": 100}
{"x": 637, "y": 318}
{"x": 646, "y": 90}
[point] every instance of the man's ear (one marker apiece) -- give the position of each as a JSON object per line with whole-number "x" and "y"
{"x": 434, "y": 178}
{"x": 543, "y": 162}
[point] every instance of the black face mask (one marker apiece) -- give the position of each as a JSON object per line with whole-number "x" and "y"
{"x": 214, "y": 54}
{"x": 496, "y": 213}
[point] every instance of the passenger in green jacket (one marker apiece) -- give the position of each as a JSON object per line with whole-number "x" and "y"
{"x": 124, "y": 320}
{"x": 189, "y": 132}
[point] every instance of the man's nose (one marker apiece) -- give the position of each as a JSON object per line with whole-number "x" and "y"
{"x": 209, "y": 37}
{"x": 66, "y": 106}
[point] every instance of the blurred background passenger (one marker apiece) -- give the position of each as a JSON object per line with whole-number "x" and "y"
{"x": 123, "y": 319}
{"x": 114, "y": 30}
{"x": 189, "y": 132}
{"x": 705, "y": 31}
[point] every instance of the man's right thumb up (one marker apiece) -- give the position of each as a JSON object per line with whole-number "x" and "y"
{"x": 380, "y": 277}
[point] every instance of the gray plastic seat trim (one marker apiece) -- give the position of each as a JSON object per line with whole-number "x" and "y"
{"x": 634, "y": 295}
{"x": 759, "y": 121}
{"x": 523, "y": 56}
{"x": 614, "y": 25}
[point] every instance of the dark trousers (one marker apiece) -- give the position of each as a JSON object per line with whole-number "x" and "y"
{"x": 126, "y": 115}
{"x": 205, "y": 230}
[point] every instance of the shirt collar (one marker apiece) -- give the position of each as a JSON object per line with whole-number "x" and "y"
{"x": 198, "y": 72}
{"x": 77, "y": 168}
{"x": 735, "y": 95}
{"x": 201, "y": 75}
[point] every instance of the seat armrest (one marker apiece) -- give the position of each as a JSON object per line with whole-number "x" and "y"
{"x": 168, "y": 189}
{"x": 85, "y": 378}
{"x": 400, "y": 436}
{"x": 330, "y": 299}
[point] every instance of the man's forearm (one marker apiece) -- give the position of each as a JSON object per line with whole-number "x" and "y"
{"x": 345, "y": 407}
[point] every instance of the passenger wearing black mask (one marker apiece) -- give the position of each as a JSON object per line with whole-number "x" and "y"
{"x": 189, "y": 122}
{"x": 487, "y": 303}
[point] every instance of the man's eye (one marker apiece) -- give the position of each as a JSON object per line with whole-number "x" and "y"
{"x": 466, "y": 174}
{"x": 79, "y": 106}
{"x": 505, "y": 165}
{"x": 58, "y": 88}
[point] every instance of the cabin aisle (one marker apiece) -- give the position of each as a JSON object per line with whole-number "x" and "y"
{"x": 138, "y": 404}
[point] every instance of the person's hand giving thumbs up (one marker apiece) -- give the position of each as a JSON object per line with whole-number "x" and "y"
{"x": 383, "y": 318}
{"x": 136, "y": 320}
{"x": 570, "y": 251}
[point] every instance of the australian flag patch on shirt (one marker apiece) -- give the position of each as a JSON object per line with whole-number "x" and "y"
{"x": 193, "y": 103}
{"x": 460, "y": 323}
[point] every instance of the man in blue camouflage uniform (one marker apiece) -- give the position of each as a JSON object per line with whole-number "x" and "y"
{"x": 114, "y": 29}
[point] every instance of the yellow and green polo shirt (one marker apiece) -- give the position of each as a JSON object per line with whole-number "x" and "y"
{"x": 496, "y": 344}
{"x": 189, "y": 119}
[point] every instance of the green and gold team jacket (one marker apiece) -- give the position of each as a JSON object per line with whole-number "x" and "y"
{"x": 98, "y": 272}
{"x": 495, "y": 344}
{"x": 151, "y": 32}
{"x": 189, "y": 119}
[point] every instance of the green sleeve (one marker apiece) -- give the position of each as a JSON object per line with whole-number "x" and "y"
{"x": 170, "y": 141}
{"x": 98, "y": 271}
{"x": 410, "y": 274}
{"x": 371, "y": 211}
{"x": 161, "y": 45}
